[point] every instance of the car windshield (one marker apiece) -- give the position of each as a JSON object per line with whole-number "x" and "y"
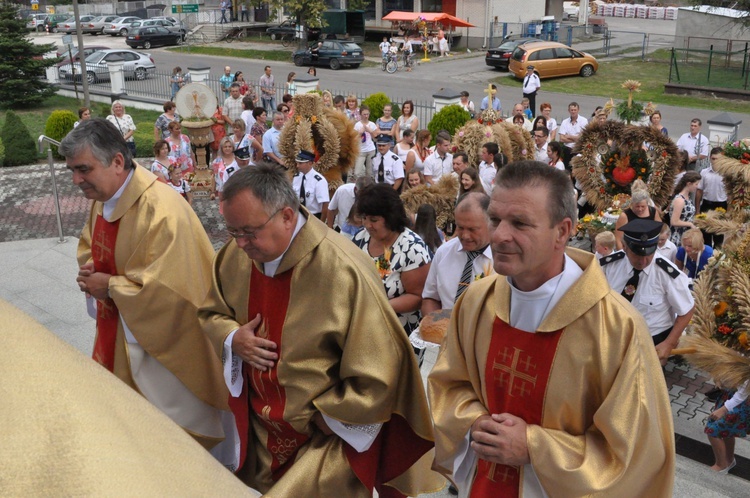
{"x": 97, "y": 19}
{"x": 115, "y": 21}
{"x": 349, "y": 46}
{"x": 509, "y": 45}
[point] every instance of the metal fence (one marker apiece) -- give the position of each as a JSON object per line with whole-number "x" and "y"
{"x": 710, "y": 68}
{"x": 155, "y": 86}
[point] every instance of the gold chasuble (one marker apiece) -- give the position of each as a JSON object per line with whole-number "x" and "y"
{"x": 342, "y": 352}
{"x": 159, "y": 256}
{"x": 70, "y": 428}
{"x": 588, "y": 383}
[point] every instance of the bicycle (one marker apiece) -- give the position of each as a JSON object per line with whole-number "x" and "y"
{"x": 235, "y": 34}
{"x": 287, "y": 40}
{"x": 396, "y": 63}
{"x": 196, "y": 38}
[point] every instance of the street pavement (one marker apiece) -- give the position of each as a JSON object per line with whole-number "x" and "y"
{"x": 38, "y": 276}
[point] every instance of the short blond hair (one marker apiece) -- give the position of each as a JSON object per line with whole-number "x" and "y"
{"x": 695, "y": 236}
{"x": 605, "y": 239}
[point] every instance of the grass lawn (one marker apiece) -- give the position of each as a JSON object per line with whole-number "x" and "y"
{"x": 34, "y": 119}
{"x": 652, "y": 74}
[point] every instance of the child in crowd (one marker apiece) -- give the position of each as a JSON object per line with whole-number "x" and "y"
{"x": 728, "y": 421}
{"x": 181, "y": 186}
{"x": 604, "y": 244}
{"x": 526, "y": 111}
{"x": 666, "y": 248}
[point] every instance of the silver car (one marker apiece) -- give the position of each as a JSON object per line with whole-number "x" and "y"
{"x": 164, "y": 23}
{"x": 96, "y": 25}
{"x": 36, "y": 22}
{"x": 137, "y": 65}
{"x": 120, "y": 26}
{"x": 69, "y": 26}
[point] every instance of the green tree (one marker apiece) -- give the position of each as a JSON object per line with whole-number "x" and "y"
{"x": 19, "y": 146}
{"x": 21, "y": 63}
{"x": 357, "y": 4}
{"x": 308, "y": 12}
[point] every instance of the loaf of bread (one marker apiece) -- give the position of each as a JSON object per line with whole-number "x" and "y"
{"x": 433, "y": 327}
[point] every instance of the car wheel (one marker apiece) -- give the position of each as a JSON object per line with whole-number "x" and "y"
{"x": 273, "y": 37}
{"x": 299, "y": 60}
{"x": 140, "y": 74}
{"x": 91, "y": 77}
{"x": 587, "y": 70}
{"x": 123, "y": 32}
{"x": 40, "y": 28}
{"x": 147, "y": 45}
{"x": 54, "y": 30}
{"x": 335, "y": 64}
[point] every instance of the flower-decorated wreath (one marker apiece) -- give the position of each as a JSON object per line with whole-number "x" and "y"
{"x": 612, "y": 157}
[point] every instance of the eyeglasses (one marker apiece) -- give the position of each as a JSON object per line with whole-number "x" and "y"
{"x": 251, "y": 234}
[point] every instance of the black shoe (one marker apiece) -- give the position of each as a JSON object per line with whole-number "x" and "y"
{"x": 452, "y": 490}
{"x": 713, "y": 394}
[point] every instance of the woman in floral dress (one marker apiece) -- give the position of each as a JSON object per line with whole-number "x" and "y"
{"x": 179, "y": 148}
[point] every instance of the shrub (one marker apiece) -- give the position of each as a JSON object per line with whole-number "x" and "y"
{"x": 59, "y": 124}
{"x": 19, "y": 146}
{"x": 449, "y": 118}
{"x": 376, "y": 102}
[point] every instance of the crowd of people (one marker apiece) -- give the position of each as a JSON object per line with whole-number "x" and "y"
{"x": 501, "y": 265}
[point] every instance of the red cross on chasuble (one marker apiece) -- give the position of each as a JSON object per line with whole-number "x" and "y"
{"x": 107, "y": 315}
{"x": 517, "y": 371}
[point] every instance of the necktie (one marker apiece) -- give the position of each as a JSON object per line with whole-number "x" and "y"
{"x": 631, "y": 285}
{"x": 467, "y": 273}
{"x": 302, "y": 193}
{"x": 381, "y": 170}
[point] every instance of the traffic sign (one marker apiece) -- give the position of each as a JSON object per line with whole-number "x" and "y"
{"x": 34, "y": 6}
{"x": 185, "y": 8}
{"x": 67, "y": 40}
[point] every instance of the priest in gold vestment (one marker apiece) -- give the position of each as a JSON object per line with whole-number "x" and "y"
{"x": 547, "y": 383}
{"x": 146, "y": 259}
{"x": 325, "y": 387}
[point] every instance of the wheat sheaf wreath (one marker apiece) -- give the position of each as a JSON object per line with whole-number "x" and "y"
{"x": 624, "y": 144}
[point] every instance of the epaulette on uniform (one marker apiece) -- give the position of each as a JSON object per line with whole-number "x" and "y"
{"x": 394, "y": 156}
{"x": 664, "y": 265}
{"x": 615, "y": 256}
{"x": 318, "y": 177}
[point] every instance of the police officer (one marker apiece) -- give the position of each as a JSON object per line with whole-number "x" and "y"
{"x": 310, "y": 186}
{"x": 655, "y": 286}
{"x": 387, "y": 167}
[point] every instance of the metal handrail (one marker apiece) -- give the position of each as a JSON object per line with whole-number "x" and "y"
{"x": 40, "y": 143}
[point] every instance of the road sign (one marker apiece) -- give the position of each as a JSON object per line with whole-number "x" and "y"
{"x": 34, "y": 6}
{"x": 185, "y": 9}
{"x": 67, "y": 40}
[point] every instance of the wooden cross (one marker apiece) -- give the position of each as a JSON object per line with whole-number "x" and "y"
{"x": 513, "y": 373}
{"x": 490, "y": 94}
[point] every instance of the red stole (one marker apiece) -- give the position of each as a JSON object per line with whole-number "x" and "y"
{"x": 517, "y": 371}
{"x": 107, "y": 315}
{"x": 269, "y": 296}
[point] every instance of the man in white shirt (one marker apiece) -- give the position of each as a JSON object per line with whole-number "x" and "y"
{"x": 487, "y": 169}
{"x": 233, "y": 105}
{"x": 570, "y": 130}
{"x": 310, "y": 186}
{"x": 387, "y": 167}
{"x": 342, "y": 203}
{"x": 695, "y": 144}
{"x": 271, "y": 139}
{"x": 440, "y": 162}
{"x": 540, "y": 145}
{"x": 711, "y": 195}
{"x": 518, "y": 111}
{"x": 463, "y": 259}
{"x": 531, "y": 85}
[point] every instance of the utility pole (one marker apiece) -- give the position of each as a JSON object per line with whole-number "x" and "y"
{"x": 81, "y": 57}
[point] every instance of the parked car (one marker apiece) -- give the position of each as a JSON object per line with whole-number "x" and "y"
{"x": 137, "y": 65}
{"x": 96, "y": 25}
{"x": 289, "y": 28}
{"x": 500, "y": 57}
{"x": 551, "y": 59}
{"x": 333, "y": 53}
{"x": 77, "y": 56}
{"x": 69, "y": 26}
{"x": 570, "y": 11}
{"x": 35, "y": 22}
{"x": 152, "y": 36}
{"x": 52, "y": 21}
{"x": 120, "y": 26}
{"x": 164, "y": 23}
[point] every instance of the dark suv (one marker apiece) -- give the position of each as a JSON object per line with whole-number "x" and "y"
{"x": 333, "y": 53}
